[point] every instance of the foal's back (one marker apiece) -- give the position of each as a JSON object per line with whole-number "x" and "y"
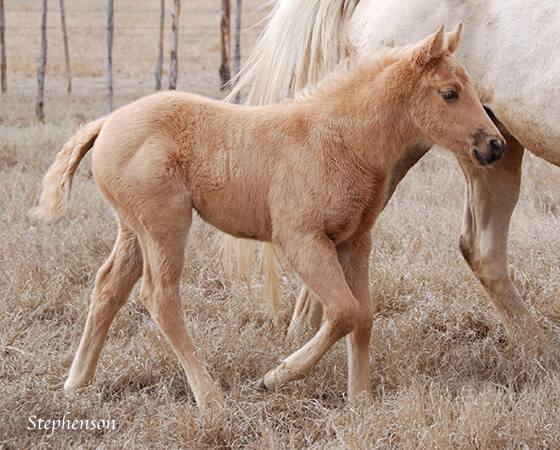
{"x": 219, "y": 158}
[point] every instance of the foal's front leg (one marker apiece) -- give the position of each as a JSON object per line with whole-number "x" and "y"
{"x": 354, "y": 259}
{"x": 308, "y": 308}
{"x": 342, "y": 310}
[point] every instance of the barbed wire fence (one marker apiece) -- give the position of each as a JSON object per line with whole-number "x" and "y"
{"x": 227, "y": 68}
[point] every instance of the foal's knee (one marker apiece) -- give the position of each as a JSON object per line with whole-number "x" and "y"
{"x": 343, "y": 319}
{"x": 159, "y": 297}
{"x": 146, "y": 292}
{"x": 124, "y": 264}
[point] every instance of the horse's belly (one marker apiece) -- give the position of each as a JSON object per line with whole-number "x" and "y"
{"x": 245, "y": 218}
{"x": 538, "y": 136}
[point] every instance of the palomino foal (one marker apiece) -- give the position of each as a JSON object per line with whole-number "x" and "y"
{"x": 308, "y": 175}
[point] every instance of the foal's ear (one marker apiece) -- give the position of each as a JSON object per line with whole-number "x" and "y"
{"x": 430, "y": 48}
{"x": 454, "y": 38}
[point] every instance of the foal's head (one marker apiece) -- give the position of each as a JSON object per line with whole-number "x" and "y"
{"x": 445, "y": 105}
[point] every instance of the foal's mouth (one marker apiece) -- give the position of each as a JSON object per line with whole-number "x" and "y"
{"x": 484, "y": 161}
{"x": 493, "y": 147}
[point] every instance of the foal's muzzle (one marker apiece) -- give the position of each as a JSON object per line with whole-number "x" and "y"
{"x": 493, "y": 152}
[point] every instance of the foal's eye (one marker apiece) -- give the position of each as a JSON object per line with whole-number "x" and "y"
{"x": 449, "y": 96}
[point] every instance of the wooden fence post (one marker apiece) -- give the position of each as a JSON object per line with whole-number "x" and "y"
{"x": 66, "y": 51}
{"x": 237, "y": 47}
{"x": 3, "y": 73}
{"x": 160, "y": 47}
{"x": 225, "y": 38}
{"x": 42, "y": 63}
{"x": 108, "y": 53}
{"x": 175, "y": 12}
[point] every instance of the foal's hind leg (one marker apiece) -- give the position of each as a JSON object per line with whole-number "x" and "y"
{"x": 113, "y": 284}
{"x": 163, "y": 245}
{"x": 490, "y": 198}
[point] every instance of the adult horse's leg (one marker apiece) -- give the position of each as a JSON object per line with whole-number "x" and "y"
{"x": 410, "y": 157}
{"x": 163, "y": 237}
{"x": 113, "y": 283}
{"x": 308, "y": 308}
{"x": 490, "y": 198}
{"x": 344, "y": 312}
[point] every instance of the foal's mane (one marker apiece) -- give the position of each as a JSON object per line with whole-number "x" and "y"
{"x": 350, "y": 69}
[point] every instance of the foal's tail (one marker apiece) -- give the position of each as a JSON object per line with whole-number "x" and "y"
{"x": 58, "y": 180}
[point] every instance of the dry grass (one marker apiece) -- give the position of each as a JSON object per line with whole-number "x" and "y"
{"x": 444, "y": 374}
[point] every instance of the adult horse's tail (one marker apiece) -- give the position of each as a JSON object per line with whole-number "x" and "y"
{"x": 58, "y": 180}
{"x": 302, "y": 42}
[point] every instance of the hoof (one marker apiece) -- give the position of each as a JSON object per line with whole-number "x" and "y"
{"x": 261, "y": 385}
{"x": 210, "y": 399}
{"x": 211, "y": 405}
{"x": 70, "y": 387}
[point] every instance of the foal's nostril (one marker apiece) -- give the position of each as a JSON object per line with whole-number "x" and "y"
{"x": 496, "y": 147}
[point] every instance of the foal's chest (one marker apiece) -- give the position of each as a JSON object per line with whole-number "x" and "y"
{"x": 353, "y": 205}
{"x": 358, "y": 217}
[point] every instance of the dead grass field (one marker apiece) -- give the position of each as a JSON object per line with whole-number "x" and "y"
{"x": 444, "y": 372}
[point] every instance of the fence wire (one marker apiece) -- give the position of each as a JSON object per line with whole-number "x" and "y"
{"x": 135, "y": 39}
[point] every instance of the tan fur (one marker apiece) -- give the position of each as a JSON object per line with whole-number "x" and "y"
{"x": 314, "y": 51}
{"x": 308, "y": 175}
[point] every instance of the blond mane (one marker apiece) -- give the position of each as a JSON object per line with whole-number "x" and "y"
{"x": 368, "y": 66}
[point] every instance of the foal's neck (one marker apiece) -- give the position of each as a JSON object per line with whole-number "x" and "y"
{"x": 370, "y": 113}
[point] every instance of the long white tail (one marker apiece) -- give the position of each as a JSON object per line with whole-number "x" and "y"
{"x": 57, "y": 183}
{"x": 302, "y": 42}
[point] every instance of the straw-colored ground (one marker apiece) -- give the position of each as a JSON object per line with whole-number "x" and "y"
{"x": 444, "y": 371}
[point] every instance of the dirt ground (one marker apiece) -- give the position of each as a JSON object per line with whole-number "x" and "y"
{"x": 445, "y": 373}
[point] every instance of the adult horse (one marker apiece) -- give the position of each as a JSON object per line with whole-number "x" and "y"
{"x": 511, "y": 51}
